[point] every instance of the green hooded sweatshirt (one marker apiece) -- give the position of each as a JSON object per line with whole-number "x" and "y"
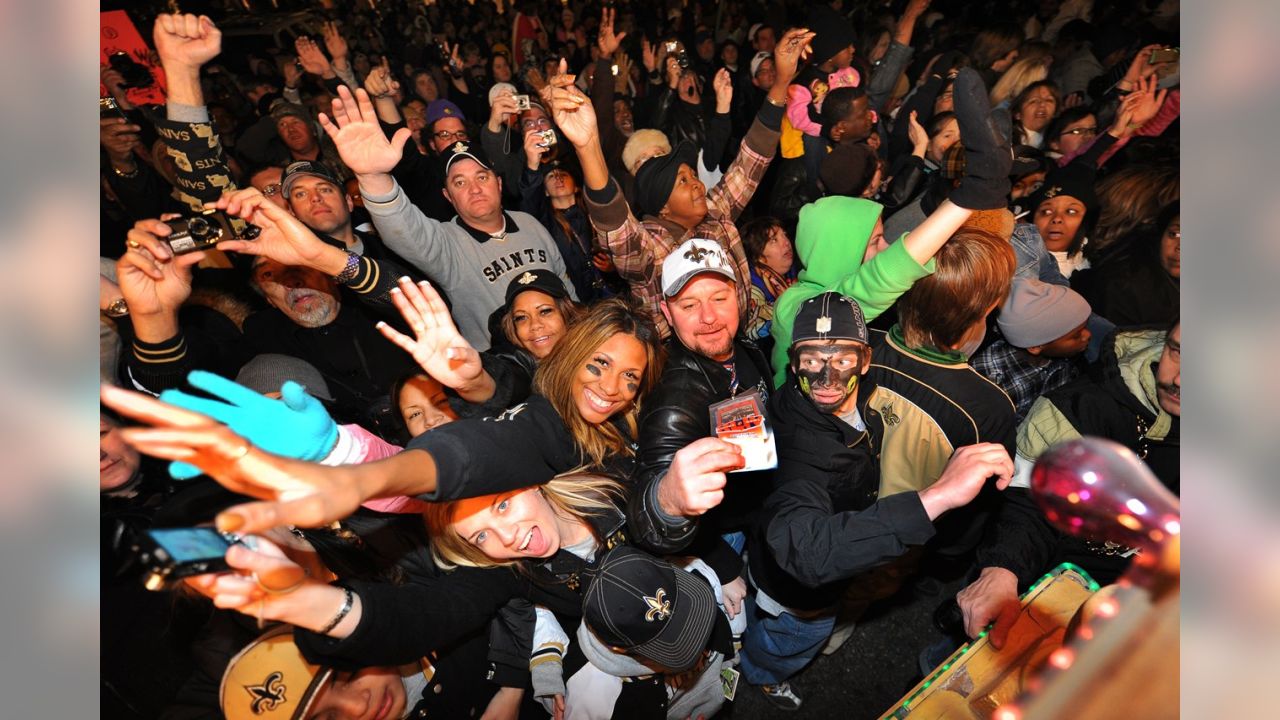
{"x": 831, "y": 240}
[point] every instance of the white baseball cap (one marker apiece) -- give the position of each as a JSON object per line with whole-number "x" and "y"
{"x": 759, "y": 58}
{"x": 501, "y": 88}
{"x": 694, "y": 257}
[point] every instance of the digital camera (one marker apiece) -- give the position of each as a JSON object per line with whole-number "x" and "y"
{"x": 204, "y": 231}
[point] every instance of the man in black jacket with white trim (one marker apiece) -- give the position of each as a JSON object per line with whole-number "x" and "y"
{"x": 824, "y": 524}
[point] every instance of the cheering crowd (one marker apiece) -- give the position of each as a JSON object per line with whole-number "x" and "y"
{"x": 611, "y": 359}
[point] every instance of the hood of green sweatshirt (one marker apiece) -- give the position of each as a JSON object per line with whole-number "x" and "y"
{"x": 832, "y": 237}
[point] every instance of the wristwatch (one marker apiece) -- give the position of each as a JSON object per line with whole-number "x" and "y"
{"x": 117, "y": 308}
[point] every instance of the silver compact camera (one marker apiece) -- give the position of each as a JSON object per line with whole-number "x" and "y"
{"x": 547, "y": 137}
{"x": 522, "y": 103}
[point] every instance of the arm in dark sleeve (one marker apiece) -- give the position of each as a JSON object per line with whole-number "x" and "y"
{"x": 660, "y": 111}
{"x": 816, "y": 546}
{"x": 885, "y": 74}
{"x": 1019, "y": 538}
{"x": 905, "y": 182}
{"x": 719, "y": 130}
{"x": 528, "y": 445}
{"x": 511, "y": 643}
{"x": 506, "y": 153}
{"x": 511, "y": 387}
{"x": 144, "y": 195}
{"x": 216, "y": 346}
{"x": 400, "y": 624}
{"x": 602, "y": 96}
{"x": 202, "y": 171}
{"x": 921, "y": 103}
{"x": 663, "y": 431}
{"x": 532, "y": 198}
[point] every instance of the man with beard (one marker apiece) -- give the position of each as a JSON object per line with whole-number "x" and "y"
{"x": 1134, "y": 397}
{"x": 298, "y": 276}
{"x": 824, "y": 523}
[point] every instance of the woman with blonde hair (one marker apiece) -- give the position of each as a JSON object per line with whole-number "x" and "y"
{"x": 1014, "y": 80}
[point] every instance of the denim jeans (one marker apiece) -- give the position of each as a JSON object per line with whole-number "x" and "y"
{"x": 775, "y": 648}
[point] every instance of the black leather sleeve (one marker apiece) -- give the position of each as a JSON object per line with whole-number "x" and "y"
{"x": 677, "y": 416}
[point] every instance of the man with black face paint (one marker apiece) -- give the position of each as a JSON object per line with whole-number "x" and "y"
{"x": 824, "y": 524}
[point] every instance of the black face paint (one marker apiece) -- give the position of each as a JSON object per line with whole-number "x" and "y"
{"x": 594, "y": 370}
{"x": 632, "y": 387}
{"x": 827, "y": 378}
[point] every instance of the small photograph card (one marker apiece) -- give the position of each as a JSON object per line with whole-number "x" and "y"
{"x": 742, "y": 421}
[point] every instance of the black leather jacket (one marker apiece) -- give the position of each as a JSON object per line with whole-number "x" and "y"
{"x": 674, "y": 416}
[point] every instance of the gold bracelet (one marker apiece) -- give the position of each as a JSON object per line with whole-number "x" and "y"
{"x": 775, "y": 103}
{"x": 127, "y": 175}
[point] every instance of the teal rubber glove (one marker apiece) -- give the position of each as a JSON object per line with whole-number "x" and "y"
{"x": 295, "y": 426}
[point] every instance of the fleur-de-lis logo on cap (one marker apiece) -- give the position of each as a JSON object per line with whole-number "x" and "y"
{"x": 1053, "y": 191}
{"x": 696, "y": 254}
{"x": 659, "y": 606}
{"x": 267, "y": 696}
{"x": 526, "y": 278}
{"x": 460, "y": 147}
{"x": 823, "y": 325}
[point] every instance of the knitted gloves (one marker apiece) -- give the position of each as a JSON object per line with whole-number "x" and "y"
{"x": 988, "y": 157}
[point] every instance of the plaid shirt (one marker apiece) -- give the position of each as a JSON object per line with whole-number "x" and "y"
{"x": 1016, "y": 372}
{"x": 638, "y": 248}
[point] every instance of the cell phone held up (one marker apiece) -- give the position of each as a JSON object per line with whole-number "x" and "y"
{"x": 133, "y": 74}
{"x": 168, "y": 555}
{"x": 1163, "y": 55}
{"x": 109, "y": 108}
{"x": 204, "y": 231}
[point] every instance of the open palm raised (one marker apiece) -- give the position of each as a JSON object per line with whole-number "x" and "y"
{"x": 358, "y": 136}
{"x": 437, "y": 346}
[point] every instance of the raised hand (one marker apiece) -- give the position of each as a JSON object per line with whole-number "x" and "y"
{"x": 312, "y": 58}
{"x": 380, "y": 83}
{"x": 334, "y": 42}
{"x": 292, "y": 74}
{"x": 695, "y": 481}
{"x": 295, "y": 426}
{"x": 282, "y": 235}
{"x": 723, "y": 85}
{"x": 297, "y": 493}
{"x": 788, "y": 54}
{"x": 1141, "y": 68}
{"x": 1145, "y": 101}
{"x": 533, "y": 149}
{"x": 437, "y": 346}
{"x": 916, "y": 133}
{"x": 152, "y": 280}
{"x": 623, "y": 61}
{"x": 608, "y": 42}
{"x": 186, "y": 40}
{"x": 570, "y": 109}
{"x": 358, "y": 136}
{"x": 504, "y": 107}
{"x": 648, "y": 55}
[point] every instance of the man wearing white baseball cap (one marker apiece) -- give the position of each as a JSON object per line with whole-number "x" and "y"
{"x": 682, "y": 483}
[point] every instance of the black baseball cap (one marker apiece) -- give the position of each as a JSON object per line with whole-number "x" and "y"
{"x": 649, "y": 608}
{"x": 541, "y": 279}
{"x": 303, "y": 168}
{"x": 460, "y": 150}
{"x": 829, "y": 316}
